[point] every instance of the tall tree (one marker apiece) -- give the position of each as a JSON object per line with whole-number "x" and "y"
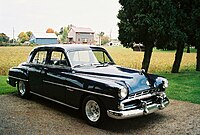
{"x": 188, "y": 22}
{"x": 183, "y": 16}
{"x": 147, "y": 22}
{"x": 105, "y": 39}
{"x": 3, "y": 38}
{"x": 64, "y": 34}
{"x": 22, "y": 37}
{"x": 196, "y": 28}
{"x": 198, "y": 54}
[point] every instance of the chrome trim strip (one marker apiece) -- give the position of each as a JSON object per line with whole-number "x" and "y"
{"x": 18, "y": 78}
{"x": 62, "y": 85}
{"x": 54, "y": 100}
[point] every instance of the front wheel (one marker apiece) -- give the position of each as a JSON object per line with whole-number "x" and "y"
{"x": 23, "y": 89}
{"x": 93, "y": 111}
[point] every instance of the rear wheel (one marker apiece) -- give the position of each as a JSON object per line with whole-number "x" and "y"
{"x": 23, "y": 89}
{"x": 93, "y": 111}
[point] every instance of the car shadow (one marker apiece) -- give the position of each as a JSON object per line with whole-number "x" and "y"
{"x": 52, "y": 105}
{"x": 129, "y": 125}
{"x": 111, "y": 125}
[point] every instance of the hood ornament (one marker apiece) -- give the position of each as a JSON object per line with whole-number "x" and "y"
{"x": 150, "y": 79}
{"x": 142, "y": 71}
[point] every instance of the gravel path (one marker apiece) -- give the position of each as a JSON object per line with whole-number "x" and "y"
{"x": 39, "y": 116}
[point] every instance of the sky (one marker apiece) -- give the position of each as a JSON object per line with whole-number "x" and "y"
{"x": 39, "y": 15}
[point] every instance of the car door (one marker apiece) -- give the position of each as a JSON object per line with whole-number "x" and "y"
{"x": 54, "y": 78}
{"x": 36, "y": 66}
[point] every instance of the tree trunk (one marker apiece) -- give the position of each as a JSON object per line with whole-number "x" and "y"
{"x": 198, "y": 58}
{"x": 147, "y": 57}
{"x": 178, "y": 57}
{"x": 188, "y": 48}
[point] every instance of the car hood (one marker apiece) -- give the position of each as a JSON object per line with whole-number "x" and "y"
{"x": 123, "y": 76}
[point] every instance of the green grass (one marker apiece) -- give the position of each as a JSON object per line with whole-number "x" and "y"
{"x": 4, "y": 87}
{"x": 184, "y": 86}
{"x": 192, "y": 50}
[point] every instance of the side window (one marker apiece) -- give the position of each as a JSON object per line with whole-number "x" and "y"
{"x": 40, "y": 57}
{"x": 58, "y": 58}
{"x": 101, "y": 57}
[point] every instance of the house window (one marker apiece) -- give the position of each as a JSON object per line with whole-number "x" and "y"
{"x": 79, "y": 39}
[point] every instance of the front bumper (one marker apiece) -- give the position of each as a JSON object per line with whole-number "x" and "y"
{"x": 144, "y": 110}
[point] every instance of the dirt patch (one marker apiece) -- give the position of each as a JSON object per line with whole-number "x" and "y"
{"x": 39, "y": 116}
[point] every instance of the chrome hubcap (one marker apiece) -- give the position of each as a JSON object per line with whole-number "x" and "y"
{"x": 22, "y": 88}
{"x": 92, "y": 110}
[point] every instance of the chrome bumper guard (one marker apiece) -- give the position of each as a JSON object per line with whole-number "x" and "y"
{"x": 7, "y": 80}
{"x": 144, "y": 110}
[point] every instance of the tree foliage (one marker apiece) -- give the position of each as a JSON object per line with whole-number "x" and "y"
{"x": 160, "y": 23}
{"x": 49, "y": 30}
{"x": 22, "y": 37}
{"x": 149, "y": 22}
{"x": 104, "y": 40}
{"x": 188, "y": 13}
{"x": 182, "y": 19}
{"x": 196, "y": 29}
{"x": 3, "y": 38}
{"x": 64, "y": 34}
{"x": 29, "y": 34}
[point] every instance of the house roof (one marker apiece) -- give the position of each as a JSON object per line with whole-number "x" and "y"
{"x": 45, "y": 35}
{"x": 82, "y": 29}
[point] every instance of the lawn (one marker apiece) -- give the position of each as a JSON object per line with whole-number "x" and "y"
{"x": 184, "y": 86}
{"x": 4, "y": 87}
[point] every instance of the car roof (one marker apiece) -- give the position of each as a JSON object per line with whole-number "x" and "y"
{"x": 69, "y": 47}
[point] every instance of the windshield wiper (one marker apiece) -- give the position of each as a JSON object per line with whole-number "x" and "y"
{"x": 107, "y": 63}
{"x": 78, "y": 65}
{"x": 81, "y": 65}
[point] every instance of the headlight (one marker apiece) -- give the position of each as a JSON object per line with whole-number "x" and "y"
{"x": 122, "y": 93}
{"x": 161, "y": 81}
{"x": 165, "y": 83}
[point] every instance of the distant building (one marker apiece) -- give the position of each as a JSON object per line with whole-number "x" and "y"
{"x": 114, "y": 43}
{"x": 81, "y": 35}
{"x": 138, "y": 47}
{"x": 44, "y": 38}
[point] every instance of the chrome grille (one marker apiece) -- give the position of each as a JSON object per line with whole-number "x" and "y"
{"x": 142, "y": 93}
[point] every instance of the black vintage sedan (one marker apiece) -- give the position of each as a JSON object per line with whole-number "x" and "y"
{"x": 85, "y": 77}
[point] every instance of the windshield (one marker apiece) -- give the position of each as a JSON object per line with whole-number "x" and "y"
{"x": 81, "y": 58}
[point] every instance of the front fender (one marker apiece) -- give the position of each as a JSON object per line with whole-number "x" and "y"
{"x": 17, "y": 74}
